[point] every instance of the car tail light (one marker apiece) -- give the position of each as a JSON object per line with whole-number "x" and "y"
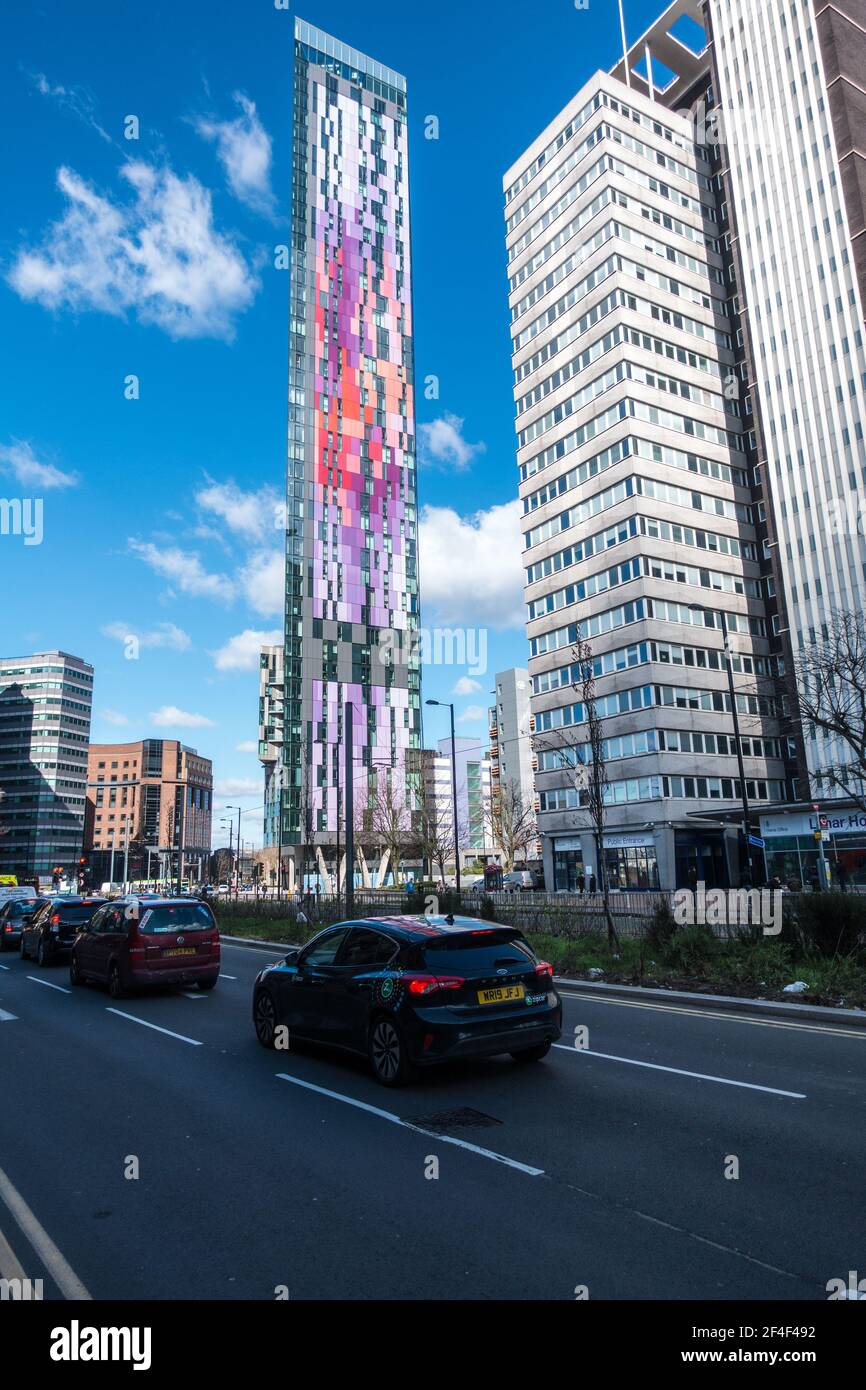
{"x": 544, "y": 969}
{"x": 55, "y": 918}
{"x": 429, "y": 984}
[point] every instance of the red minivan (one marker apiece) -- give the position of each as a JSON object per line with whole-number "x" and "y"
{"x": 134, "y": 942}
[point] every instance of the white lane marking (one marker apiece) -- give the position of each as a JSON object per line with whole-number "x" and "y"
{"x": 804, "y": 1027}
{"x": 192, "y": 994}
{"x": 10, "y": 1267}
{"x": 5, "y": 967}
{"x": 678, "y": 1071}
{"x": 224, "y": 976}
{"x": 417, "y": 1129}
{"x": 61, "y": 1272}
{"x": 193, "y": 1042}
{"x": 47, "y": 983}
{"x": 6, "y": 1018}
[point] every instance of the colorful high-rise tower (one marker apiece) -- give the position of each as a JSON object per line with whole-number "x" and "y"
{"x": 351, "y": 567}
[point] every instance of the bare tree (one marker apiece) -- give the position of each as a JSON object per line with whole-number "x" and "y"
{"x": 434, "y": 834}
{"x": 511, "y": 823}
{"x": 830, "y": 689}
{"x": 390, "y": 818}
{"x": 582, "y": 755}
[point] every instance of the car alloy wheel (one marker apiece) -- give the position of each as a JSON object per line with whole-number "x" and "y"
{"x": 41, "y": 953}
{"x": 22, "y": 950}
{"x": 265, "y": 1019}
{"x": 386, "y": 1053}
{"x": 115, "y": 987}
{"x": 74, "y": 972}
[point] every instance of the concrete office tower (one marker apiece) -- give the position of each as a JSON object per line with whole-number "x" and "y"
{"x": 644, "y": 525}
{"x": 45, "y": 704}
{"x": 351, "y": 569}
{"x": 510, "y": 739}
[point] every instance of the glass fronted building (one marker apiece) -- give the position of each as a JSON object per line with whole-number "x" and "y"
{"x": 351, "y": 566}
{"x": 45, "y": 704}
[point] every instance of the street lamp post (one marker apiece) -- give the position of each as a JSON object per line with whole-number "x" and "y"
{"x": 450, "y": 706}
{"x": 238, "y": 863}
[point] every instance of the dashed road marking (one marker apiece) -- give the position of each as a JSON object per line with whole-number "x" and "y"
{"x": 398, "y": 1120}
{"x": 193, "y": 1042}
{"x": 48, "y": 985}
{"x": 678, "y": 1071}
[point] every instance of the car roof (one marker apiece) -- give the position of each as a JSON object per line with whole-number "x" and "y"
{"x": 422, "y": 928}
{"x": 76, "y": 898}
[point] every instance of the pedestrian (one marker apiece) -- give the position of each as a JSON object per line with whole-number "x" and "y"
{"x": 843, "y": 878}
{"x": 581, "y": 882}
{"x": 592, "y": 882}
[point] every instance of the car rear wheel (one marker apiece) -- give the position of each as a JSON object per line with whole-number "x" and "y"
{"x": 532, "y": 1054}
{"x": 42, "y": 955}
{"x": 265, "y": 1019}
{"x": 388, "y": 1057}
{"x": 75, "y": 976}
{"x": 115, "y": 984}
{"x": 22, "y": 950}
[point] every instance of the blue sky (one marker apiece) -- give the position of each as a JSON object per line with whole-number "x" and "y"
{"x": 158, "y": 511}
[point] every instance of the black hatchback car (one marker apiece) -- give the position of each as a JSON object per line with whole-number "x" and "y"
{"x": 409, "y": 992}
{"x": 13, "y": 915}
{"x": 53, "y": 927}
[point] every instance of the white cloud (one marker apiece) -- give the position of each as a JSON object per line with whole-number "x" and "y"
{"x": 244, "y": 150}
{"x": 185, "y": 570}
{"x": 113, "y": 716}
{"x": 241, "y": 653}
{"x": 170, "y": 717}
{"x": 75, "y": 99}
{"x": 20, "y": 459}
{"x": 237, "y": 786}
{"x": 472, "y": 714}
{"x": 247, "y": 514}
{"x": 247, "y": 745}
{"x": 159, "y": 255}
{"x": 442, "y": 442}
{"x": 471, "y": 570}
{"x": 263, "y": 582}
{"x": 163, "y": 635}
{"x": 466, "y": 686}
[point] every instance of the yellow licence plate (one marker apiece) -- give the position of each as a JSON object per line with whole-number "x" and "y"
{"x": 501, "y": 994}
{"x": 180, "y": 951}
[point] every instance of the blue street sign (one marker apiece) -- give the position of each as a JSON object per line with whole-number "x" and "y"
{"x": 756, "y": 841}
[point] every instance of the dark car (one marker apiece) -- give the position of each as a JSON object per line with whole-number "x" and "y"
{"x": 409, "y": 992}
{"x": 13, "y": 915}
{"x": 53, "y": 927}
{"x": 132, "y": 943}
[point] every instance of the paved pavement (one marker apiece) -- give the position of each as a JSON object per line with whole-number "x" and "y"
{"x": 603, "y": 1166}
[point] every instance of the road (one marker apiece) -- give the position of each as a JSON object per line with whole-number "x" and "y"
{"x": 296, "y": 1172}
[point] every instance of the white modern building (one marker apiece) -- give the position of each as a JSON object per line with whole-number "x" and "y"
{"x": 45, "y": 707}
{"x": 689, "y": 388}
{"x": 473, "y": 794}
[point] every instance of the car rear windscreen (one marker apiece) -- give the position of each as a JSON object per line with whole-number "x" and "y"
{"x": 75, "y": 914}
{"x": 23, "y": 909}
{"x": 470, "y": 954}
{"x": 183, "y": 917}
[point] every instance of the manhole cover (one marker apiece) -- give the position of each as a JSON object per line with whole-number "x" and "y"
{"x": 446, "y": 1120}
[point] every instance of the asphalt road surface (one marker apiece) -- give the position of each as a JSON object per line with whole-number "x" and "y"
{"x": 606, "y": 1167}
